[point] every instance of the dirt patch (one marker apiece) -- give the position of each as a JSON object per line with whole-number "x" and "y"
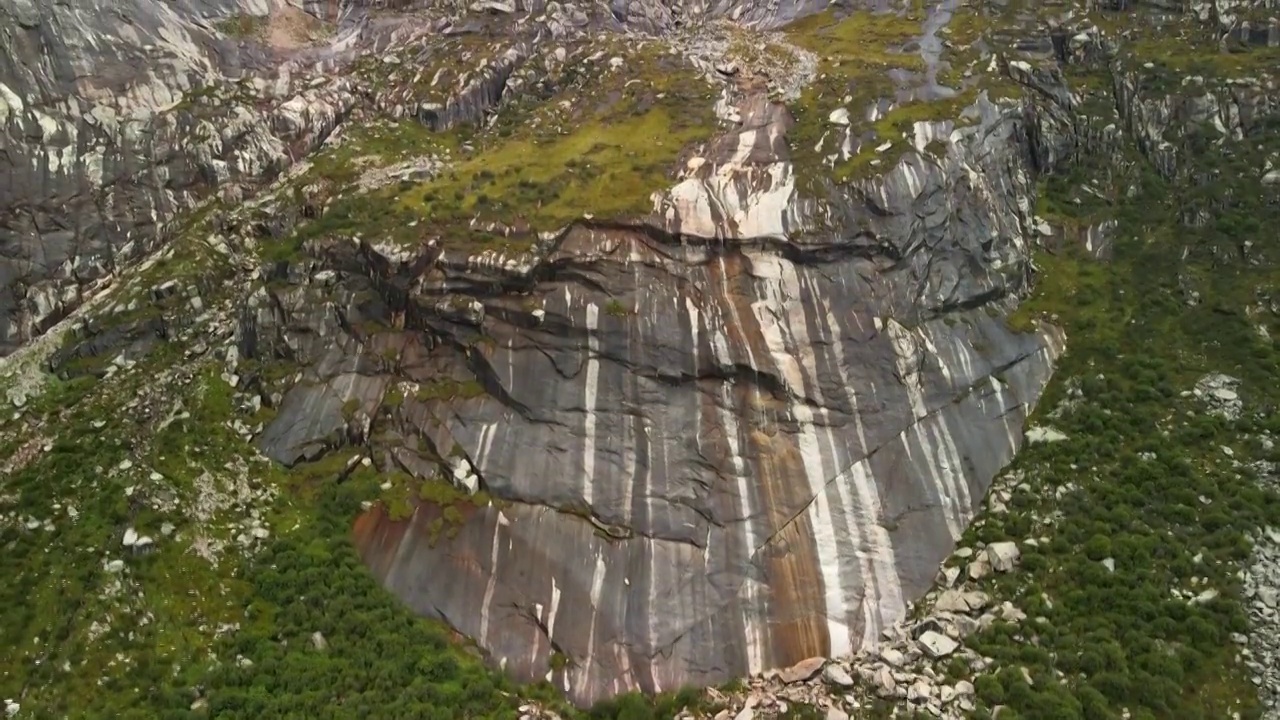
{"x": 289, "y": 28}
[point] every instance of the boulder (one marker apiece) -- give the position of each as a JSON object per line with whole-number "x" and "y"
{"x": 884, "y": 683}
{"x": 958, "y": 601}
{"x": 837, "y": 676}
{"x": 802, "y": 670}
{"x": 893, "y": 657}
{"x": 1003, "y": 556}
{"x": 1044, "y": 435}
{"x": 936, "y": 645}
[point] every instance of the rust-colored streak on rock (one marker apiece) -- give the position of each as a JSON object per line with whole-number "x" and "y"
{"x": 394, "y": 550}
{"x": 789, "y": 558}
{"x": 376, "y": 537}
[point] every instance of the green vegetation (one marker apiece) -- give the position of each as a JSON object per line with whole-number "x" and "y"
{"x": 447, "y": 389}
{"x": 1143, "y": 479}
{"x": 608, "y": 167}
{"x": 350, "y": 408}
{"x": 1180, "y": 49}
{"x": 106, "y": 638}
{"x": 299, "y": 627}
{"x": 619, "y": 151}
{"x": 597, "y": 148}
{"x": 383, "y": 662}
{"x": 243, "y": 26}
{"x": 856, "y": 55}
{"x": 198, "y": 627}
{"x": 376, "y": 144}
{"x": 862, "y": 40}
{"x": 394, "y": 398}
{"x": 420, "y": 74}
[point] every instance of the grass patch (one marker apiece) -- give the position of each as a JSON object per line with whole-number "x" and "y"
{"x": 856, "y": 55}
{"x": 448, "y": 389}
{"x": 243, "y": 26}
{"x": 600, "y": 148}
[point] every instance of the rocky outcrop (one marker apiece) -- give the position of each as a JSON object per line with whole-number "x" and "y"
{"x": 1262, "y": 591}
{"x": 114, "y": 120}
{"x": 732, "y": 438}
{"x": 727, "y": 435}
{"x": 1259, "y": 649}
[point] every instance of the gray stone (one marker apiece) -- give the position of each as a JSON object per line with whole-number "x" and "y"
{"x": 837, "y": 676}
{"x": 948, "y": 576}
{"x": 1003, "y": 556}
{"x": 920, "y": 691}
{"x": 937, "y": 645}
{"x": 884, "y": 683}
{"x": 893, "y": 656}
{"x": 958, "y": 601}
{"x": 802, "y": 670}
{"x": 1044, "y": 435}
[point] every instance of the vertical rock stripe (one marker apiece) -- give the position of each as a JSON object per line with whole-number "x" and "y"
{"x": 491, "y": 584}
{"x": 591, "y": 387}
{"x": 882, "y": 602}
{"x": 782, "y": 290}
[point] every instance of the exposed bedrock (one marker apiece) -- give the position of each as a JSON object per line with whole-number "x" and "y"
{"x": 770, "y": 470}
{"x": 114, "y": 118}
{"x": 739, "y": 434}
{"x": 117, "y": 118}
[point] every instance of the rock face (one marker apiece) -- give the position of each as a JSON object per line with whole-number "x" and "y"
{"x": 730, "y": 434}
{"x": 713, "y": 456}
{"x": 754, "y": 497}
{"x": 1262, "y": 588}
{"x": 112, "y": 122}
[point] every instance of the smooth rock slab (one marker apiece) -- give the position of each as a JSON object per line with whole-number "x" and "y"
{"x": 936, "y": 644}
{"x": 1003, "y": 556}
{"x": 760, "y": 459}
{"x": 802, "y": 670}
{"x": 835, "y": 675}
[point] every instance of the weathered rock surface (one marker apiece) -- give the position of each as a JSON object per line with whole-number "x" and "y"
{"x": 912, "y": 671}
{"x": 1262, "y": 590}
{"x": 729, "y": 435}
{"x": 714, "y": 457}
{"x": 116, "y": 118}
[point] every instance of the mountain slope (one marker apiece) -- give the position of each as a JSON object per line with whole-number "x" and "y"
{"x": 641, "y": 360}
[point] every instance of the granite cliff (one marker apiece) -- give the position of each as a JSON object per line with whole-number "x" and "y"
{"x": 727, "y": 434}
{"x": 669, "y": 343}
